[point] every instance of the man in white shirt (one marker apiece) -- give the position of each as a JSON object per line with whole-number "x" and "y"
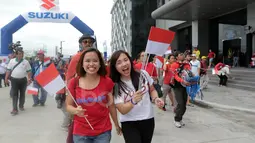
{"x": 2, "y": 72}
{"x": 195, "y": 65}
{"x": 19, "y": 69}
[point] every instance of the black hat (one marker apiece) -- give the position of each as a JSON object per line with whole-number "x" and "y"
{"x": 86, "y": 36}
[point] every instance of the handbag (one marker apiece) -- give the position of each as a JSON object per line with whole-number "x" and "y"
{"x": 69, "y": 138}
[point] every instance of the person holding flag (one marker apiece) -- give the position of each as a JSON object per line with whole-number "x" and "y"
{"x": 90, "y": 98}
{"x": 39, "y": 66}
{"x": 134, "y": 104}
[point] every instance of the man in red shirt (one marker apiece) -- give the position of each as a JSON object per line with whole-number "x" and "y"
{"x": 180, "y": 92}
{"x": 86, "y": 42}
{"x": 211, "y": 56}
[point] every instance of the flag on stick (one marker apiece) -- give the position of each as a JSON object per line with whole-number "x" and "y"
{"x": 158, "y": 41}
{"x": 32, "y": 90}
{"x": 46, "y": 61}
{"x": 51, "y": 80}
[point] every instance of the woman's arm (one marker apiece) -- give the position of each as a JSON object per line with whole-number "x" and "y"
{"x": 113, "y": 110}
{"x": 124, "y": 108}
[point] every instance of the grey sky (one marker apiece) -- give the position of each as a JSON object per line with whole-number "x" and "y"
{"x": 95, "y": 13}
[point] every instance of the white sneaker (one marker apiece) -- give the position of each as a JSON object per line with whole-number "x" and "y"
{"x": 177, "y": 124}
{"x": 182, "y": 123}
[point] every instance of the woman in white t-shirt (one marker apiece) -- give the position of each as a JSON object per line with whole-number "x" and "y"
{"x": 135, "y": 106}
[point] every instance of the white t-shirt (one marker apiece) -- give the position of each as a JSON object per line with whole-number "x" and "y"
{"x": 21, "y": 70}
{"x": 141, "y": 111}
{"x": 194, "y": 67}
{"x": 2, "y": 68}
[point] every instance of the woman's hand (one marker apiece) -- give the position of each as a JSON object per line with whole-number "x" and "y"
{"x": 80, "y": 112}
{"x": 159, "y": 102}
{"x": 118, "y": 130}
{"x": 138, "y": 96}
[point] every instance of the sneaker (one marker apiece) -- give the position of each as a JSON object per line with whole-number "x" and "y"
{"x": 14, "y": 112}
{"x": 182, "y": 123}
{"x": 42, "y": 104}
{"x": 21, "y": 109}
{"x": 34, "y": 105}
{"x": 177, "y": 124}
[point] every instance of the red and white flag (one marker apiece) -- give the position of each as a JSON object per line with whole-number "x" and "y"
{"x": 46, "y": 61}
{"x": 51, "y": 80}
{"x": 32, "y": 90}
{"x": 169, "y": 50}
{"x": 159, "y": 62}
{"x": 158, "y": 41}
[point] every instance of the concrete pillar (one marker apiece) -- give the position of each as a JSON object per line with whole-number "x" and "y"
{"x": 251, "y": 20}
{"x": 200, "y": 36}
{"x": 194, "y": 34}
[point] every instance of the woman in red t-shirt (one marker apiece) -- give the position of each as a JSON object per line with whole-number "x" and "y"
{"x": 92, "y": 92}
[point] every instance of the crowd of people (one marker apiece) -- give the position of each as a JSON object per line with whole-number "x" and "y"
{"x": 98, "y": 89}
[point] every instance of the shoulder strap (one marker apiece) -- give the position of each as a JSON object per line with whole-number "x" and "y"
{"x": 17, "y": 65}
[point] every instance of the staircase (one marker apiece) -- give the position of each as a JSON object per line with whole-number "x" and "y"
{"x": 244, "y": 79}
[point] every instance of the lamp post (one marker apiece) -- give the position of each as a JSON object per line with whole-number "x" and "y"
{"x": 61, "y": 46}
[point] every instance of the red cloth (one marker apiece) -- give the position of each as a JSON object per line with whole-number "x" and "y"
{"x": 168, "y": 74}
{"x": 108, "y": 70}
{"x": 94, "y": 101}
{"x": 219, "y": 66}
{"x": 150, "y": 68}
{"x": 177, "y": 65}
{"x": 211, "y": 55}
{"x": 71, "y": 71}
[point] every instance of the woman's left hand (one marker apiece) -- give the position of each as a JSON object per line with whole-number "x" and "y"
{"x": 118, "y": 130}
{"x": 159, "y": 102}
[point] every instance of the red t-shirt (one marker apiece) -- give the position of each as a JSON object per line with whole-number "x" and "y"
{"x": 94, "y": 101}
{"x": 151, "y": 69}
{"x": 211, "y": 55}
{"x": 168, "y": 74}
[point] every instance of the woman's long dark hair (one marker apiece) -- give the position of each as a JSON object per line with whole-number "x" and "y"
{"x": 115, "y": 75}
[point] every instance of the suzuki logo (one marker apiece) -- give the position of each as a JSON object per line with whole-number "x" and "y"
{"x": 48, "y": 4}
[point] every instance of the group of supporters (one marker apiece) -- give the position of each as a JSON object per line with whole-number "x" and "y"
{"x": 97, "y": 90}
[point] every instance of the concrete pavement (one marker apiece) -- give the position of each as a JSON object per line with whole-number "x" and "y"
{"x": 229, "y": 98}
{"x": 42, "y": 125}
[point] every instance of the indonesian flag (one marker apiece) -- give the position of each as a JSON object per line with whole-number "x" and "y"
{"x": 32, "y": 91}
{"x": 159, "y": 61}
{"x": 169, "y": 50}
{"x": 158, "y": 41}
{"x": 46, "y": 61}
{"x": 50, "y": 80}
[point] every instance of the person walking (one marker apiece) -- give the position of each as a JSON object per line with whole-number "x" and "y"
{"x": 134, "y": 103}
{"x": 18, "y": 69}
{"x": 92, "y": 92}
{"x": 38, "y": 67}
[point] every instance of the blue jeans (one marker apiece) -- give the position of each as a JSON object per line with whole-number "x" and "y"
{"x": 43, "y": 95}
{"x": 102, "y": 138}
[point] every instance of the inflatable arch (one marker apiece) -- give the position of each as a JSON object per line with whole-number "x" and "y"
{"x": 53, "y": 17}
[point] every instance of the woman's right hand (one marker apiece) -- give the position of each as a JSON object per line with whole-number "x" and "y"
{"x": 79, "y": 111}
{"x": 138, "y": 96}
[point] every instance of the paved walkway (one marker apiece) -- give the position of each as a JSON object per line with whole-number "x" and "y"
{"x": 42, "y": 125}
{"x": 230, "y": 97}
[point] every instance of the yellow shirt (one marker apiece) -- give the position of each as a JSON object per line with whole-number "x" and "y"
{"x": 197, "y": 52}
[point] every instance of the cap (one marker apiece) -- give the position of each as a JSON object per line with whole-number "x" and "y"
{"x": 204, "y": 57}
{"x": 40, "y": 52}
{"x": 193, "y": 55}
{"x": 87, "y": 36}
